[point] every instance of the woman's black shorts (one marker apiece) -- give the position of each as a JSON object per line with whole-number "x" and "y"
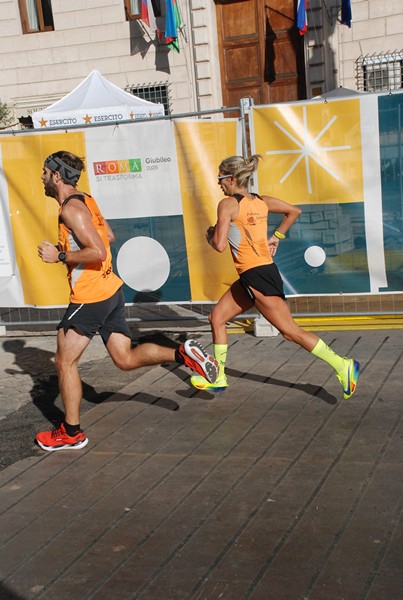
{"x": 266, "y": 279}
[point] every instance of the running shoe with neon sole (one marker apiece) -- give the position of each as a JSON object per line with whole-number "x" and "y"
{"x": 57, "y": 439}
{"x": 348, "y": 377}
{"x": 200, "y": 383}
{"x": 196, "y": 358}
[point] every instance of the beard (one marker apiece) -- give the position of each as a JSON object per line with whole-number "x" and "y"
{"x": 50, "y": 189}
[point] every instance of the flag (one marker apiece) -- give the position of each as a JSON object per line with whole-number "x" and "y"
{"x": 346, "y": 12}
{"x": 147, "y": 15}
{"x": 173, "y": 22}
{"x": 302, "y": 22}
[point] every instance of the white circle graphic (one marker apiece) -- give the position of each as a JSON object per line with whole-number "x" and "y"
{"x": 315, "y": 256}
{"x": 143, "y": 264}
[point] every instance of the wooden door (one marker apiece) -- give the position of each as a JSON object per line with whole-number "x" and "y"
{"x": 284, "y": 53}
{"x": 261, "y": 51}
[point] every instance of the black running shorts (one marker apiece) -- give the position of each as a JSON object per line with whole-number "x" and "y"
{"x": 105, "y": 317}
{"x": 266, "y": 279}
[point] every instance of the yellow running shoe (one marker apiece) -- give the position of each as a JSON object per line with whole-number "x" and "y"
{"x": 200, "y": 383}
{"x": 348, "y": 377}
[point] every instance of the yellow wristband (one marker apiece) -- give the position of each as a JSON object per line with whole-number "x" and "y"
{"x": 279, "y": 235}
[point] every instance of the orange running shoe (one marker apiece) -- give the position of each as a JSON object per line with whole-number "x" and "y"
{"x": 57, "y": 439}
{"x": 196, "y": 358}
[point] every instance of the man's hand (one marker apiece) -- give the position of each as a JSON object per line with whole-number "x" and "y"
{"x": 48, "y": 252}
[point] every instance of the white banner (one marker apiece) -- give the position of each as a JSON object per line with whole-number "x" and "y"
{"x": 133, "y": 171}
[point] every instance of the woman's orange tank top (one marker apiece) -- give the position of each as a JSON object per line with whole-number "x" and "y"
{"x": 247, "y": 235}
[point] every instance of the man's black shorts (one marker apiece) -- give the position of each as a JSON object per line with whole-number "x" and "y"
{"x": 105, "y": 317}
{"x": 266, "y": 279}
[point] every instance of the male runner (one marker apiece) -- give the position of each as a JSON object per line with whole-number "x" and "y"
{"x": 96, "y": 301}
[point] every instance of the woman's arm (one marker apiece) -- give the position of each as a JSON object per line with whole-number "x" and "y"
{"x": 291, "y": 214}
{"x": 217, "y": 235}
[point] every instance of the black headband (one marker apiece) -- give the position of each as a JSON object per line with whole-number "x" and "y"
{"x": 69, "y": 174}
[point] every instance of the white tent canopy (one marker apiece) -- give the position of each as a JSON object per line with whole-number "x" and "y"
{"x": 95, "y": 100}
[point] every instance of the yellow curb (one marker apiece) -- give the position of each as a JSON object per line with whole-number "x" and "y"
{"x": 349, "y": 323}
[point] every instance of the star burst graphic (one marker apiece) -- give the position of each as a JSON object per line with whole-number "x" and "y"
{"x": 307, "y": 148}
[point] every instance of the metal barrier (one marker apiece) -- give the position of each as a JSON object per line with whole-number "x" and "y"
{"x": 163, "y": 313}
{"x": 142, "y": 312}
{"x": 22, "y": 316}
{"x": 159, "y": 316}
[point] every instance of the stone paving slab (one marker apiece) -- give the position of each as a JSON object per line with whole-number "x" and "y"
{"x": 275, "y": 490}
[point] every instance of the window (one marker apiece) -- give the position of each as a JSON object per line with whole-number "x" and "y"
{"x": 380, "y": 72}
{"x": 133, "y": 9}
{"x": 156, "y": 92}
{"x": 36, "y": 15}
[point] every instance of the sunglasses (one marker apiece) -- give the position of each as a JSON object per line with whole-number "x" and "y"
{"x": 219, "y": 177}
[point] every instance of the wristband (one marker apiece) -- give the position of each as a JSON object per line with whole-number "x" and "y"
{"x": 279, "y": 235}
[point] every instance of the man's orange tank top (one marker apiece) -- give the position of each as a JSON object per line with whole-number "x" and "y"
{"x": 247, "y": 235}
{"x": 91, "y": 282}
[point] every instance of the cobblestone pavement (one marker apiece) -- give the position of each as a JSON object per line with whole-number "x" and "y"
{"x": 29, "y": 395}
{"x": 274, "y": 490}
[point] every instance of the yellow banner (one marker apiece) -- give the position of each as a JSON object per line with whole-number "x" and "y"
{"x": 33, "y": 215}
{"x": 312, "y": 152}
{"x": 194, "y": 271}
{"x": 201, "y": 146}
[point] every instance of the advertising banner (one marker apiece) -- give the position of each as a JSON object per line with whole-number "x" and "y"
{"x": 340, "y": 162}
{"x": 156, "y": 184}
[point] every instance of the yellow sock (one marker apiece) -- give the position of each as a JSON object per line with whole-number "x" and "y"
{"x": 220, "y": 354}
{"x": 325, "y": 353}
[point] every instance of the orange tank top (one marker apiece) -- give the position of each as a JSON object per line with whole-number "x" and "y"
{"x": 247, "y": 234}
{"x": 91, "y": 282}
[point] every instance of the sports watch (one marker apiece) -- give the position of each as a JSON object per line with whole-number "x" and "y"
{"x": 62, "y": 257}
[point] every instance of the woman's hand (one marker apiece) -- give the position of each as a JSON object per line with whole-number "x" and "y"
{"x": 210, "y": 233}
{"x": 273, "y": 244}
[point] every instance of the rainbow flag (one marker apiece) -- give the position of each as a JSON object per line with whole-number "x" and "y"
{"x": 173, "y": 23}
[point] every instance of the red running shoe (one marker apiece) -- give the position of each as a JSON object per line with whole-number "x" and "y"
{"x": 57, "y": 439}
{"x": 196, "y": 358}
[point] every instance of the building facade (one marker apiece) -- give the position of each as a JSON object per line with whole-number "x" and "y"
{"x": 228, "y": 49}
{"x": 43, "y": 60}
{"x": 366, "y": 56}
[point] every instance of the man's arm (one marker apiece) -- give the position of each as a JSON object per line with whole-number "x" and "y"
{"x": 109, "y": 232}
{"x": 78, "y": 220}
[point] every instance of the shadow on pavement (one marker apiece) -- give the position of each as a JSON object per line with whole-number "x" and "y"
{"x": 19, "y": 428}
{"x": 6, "y": 594}
{"x": 39, "y": 365}
{"x": 308, "y": 388}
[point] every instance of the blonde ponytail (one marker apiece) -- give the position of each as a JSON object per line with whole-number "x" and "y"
{"x": 241, "y": 168}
